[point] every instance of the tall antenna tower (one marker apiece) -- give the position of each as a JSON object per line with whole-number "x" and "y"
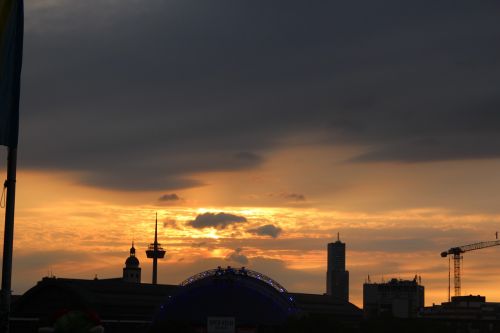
{"x": 155, "y": 251}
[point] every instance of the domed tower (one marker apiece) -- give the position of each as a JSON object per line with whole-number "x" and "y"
{"x": 132, "y": 271}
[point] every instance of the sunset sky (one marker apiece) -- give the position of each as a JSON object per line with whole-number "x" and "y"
{"x": 258, "y": 130}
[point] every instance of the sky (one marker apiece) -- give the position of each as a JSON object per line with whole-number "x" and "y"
{"x": 258, "y": 130}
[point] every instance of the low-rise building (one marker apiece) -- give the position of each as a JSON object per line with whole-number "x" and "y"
{"x": 468, "y": 314}
{"x": 396, "y": 298}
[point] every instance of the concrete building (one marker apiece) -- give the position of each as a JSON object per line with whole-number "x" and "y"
{"x": 337, "y": 278}
{"x": 396, "y": 298}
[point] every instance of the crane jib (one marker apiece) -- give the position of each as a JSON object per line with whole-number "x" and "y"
{"x": 457, "y": 258}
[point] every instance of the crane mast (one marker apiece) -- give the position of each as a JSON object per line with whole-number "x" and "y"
{"x": 457, "y": 261}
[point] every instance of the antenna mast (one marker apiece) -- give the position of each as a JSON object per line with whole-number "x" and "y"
{"x": 155, "y": 251}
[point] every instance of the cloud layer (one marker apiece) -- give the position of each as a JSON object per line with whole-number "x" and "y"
{"x": 147, "y": 96}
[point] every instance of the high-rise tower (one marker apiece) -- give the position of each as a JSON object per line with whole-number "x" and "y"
{"x": 132, "y": 271}
{"x": 337, "y": 278}
{"x": 155, "y": 251}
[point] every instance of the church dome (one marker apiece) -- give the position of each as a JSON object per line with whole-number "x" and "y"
{"x": 132, "y": 261}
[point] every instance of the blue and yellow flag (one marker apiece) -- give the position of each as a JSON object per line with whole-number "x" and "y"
{"x": 11, "y": 53}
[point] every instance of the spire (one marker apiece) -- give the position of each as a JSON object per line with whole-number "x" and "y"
{"x": 338, "y": 236}
{"x": 132, "y": 250}
{"x": 156, "y": 229}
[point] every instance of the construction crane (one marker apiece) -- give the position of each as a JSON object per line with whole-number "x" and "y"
{"x": 457, "y": 258}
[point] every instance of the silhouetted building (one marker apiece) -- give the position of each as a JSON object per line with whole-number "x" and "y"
{"x": 132, "y": 271}
{"x": 468, "y": 314}
{"x": 122, "y": 306}
{"x": 242, "y": 297}
{"x": 224, "y": 296}
{"x": 396, "y": 298}
{"x": 337, "y": 278}
{"x": 326, "y": 306}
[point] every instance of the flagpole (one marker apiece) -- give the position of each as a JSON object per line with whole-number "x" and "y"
{"x": 8, "y": 242}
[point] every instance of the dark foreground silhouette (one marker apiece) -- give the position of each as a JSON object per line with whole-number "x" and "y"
{"x": 323, "y": 324}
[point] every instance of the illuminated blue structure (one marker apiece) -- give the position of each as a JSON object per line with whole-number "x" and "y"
{"x": 229, "y": 270}
{"x": 249, "y": 298}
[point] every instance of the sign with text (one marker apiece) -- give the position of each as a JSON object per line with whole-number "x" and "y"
{"x": 220, "y": 325}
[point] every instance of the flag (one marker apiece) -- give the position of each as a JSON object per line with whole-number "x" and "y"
{"x": 11, "y": 52}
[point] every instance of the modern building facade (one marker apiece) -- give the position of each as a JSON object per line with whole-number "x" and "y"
{"x": 337, "y": 277}
{"x": 396, "y": 298}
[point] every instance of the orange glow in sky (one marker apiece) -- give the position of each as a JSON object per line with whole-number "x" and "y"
{"x": 70, "y": 230}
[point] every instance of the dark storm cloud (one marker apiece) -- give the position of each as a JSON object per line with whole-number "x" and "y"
{"x": 267, "y": 230}
{"x": 482, "y": 146}
{"x": 219, "y": 220}
{"x": 169, "y": 197}
{"x": 148, "y": 95}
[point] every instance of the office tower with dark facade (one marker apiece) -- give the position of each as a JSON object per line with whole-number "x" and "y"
{"x": 337, "y": 278}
